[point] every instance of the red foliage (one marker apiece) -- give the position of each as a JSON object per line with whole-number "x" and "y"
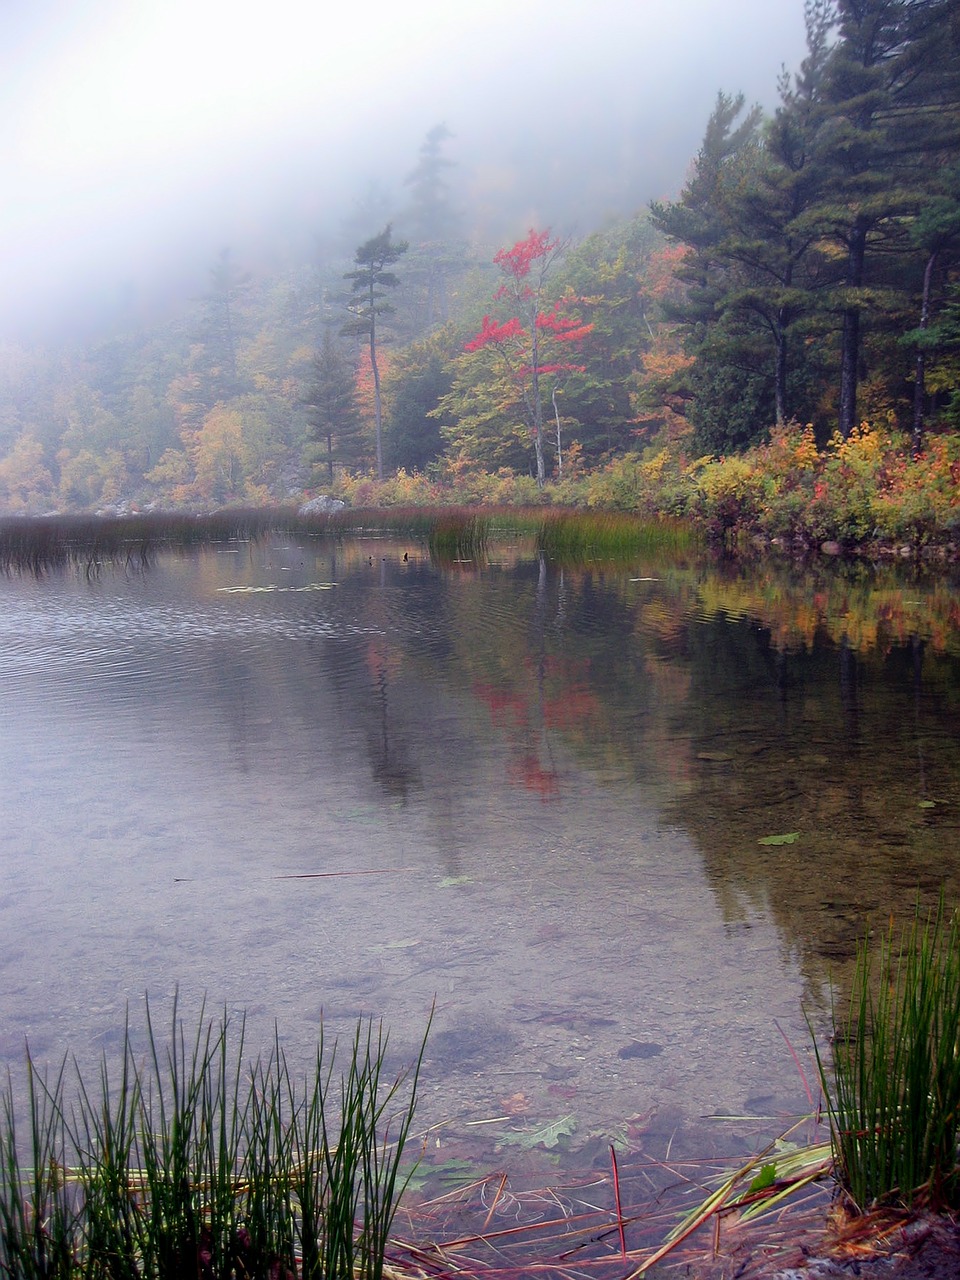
{"x": 493, "y": 333}
{"x": 518, "y": 260}
{"x": 563, "y": 328}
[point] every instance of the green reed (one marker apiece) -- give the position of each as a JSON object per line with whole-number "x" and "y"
{"x": 584, "y": 535}
{"x": 893, "y": 1097}
{"x": 458, "y": 536}
{"x": 191, "y": 1163}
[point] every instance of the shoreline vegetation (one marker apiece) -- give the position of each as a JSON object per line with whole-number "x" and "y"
{"x": 865, "y": 497}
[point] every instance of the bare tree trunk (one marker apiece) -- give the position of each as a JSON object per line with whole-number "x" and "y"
{"x": 919, "y": 386}
{"x": 850, "y": 340}
{"x": 556, "y": 414}
{"x": 538, "y": 420}
{"x": 377, "y": 403}
{"x": 781, "y": 376}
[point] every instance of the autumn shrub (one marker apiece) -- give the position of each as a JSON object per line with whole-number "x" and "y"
{"x": 654, "y": 483}
{"x": 731, "y": 494}
{"x": 917, "y": 498}
{"x": 403, "y": 489}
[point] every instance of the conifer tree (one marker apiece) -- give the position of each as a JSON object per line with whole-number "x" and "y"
{"x": 369, "y": 281}
{"x": 433, "y": 223}
{"x": 331, "y": 402}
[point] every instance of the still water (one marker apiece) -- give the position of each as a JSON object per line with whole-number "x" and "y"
{"x": 307, "y": 781}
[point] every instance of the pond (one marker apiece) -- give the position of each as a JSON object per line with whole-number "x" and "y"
{"x": 328, "y": 781}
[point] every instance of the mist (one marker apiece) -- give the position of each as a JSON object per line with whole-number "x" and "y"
{"x": 137, "y": 142}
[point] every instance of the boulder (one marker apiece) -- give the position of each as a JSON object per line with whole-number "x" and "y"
{"x": 322, "y": 505}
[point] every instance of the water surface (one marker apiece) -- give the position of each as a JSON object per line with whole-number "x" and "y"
{"x": 316, "y": 782}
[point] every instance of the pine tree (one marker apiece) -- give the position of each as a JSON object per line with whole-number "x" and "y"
{"x": 220, "y": 328}
{"x": 331, "y": 402}
{"x": 434, "y": 227}
{"x": 369, "y": 282}
{"x": 889, "y": 114}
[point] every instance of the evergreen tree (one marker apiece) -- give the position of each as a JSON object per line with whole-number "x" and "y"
{"x": 434, "y": 227}
{"x": 419, "y": 378}
{"x": 220, "y": 330}
{"x": 701, "y": 220}
{"x": 331, "y": 401}
{"x": 889, "y": 113}
{"x": 369, "y": 282}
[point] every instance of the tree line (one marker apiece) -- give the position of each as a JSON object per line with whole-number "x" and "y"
{"x": 807, "y": 271}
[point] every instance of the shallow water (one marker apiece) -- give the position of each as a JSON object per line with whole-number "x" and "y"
{"x": 345, "y": 781}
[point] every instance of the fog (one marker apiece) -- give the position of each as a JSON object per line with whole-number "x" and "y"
{"x": 137, "y": 140}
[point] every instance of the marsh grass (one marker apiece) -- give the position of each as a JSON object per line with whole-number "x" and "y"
{"x": 893, "y": 1096}
{"x": 41, "y": 545}
{"x": 191, "y": 1163}
{"x": 458, "y": 536}
{"x": 576, "y": 536}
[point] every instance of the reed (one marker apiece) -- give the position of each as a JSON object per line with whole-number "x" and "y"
{"x": 43, "y": 544}
{"x": 578, "y": 536}
{"x": 893, "y": 1097}
{"x": 39, "y": 1223}
{"x": 458, "y": 536}
{"x": 193, "y": 1163}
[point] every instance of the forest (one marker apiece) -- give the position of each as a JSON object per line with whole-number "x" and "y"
{"x": 788, "y": 326}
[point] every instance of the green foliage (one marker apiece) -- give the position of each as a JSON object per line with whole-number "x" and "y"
{"x": 418, "y": 379}
{"x": 893, "y": 1096}
{"x": 332, "y": 414}
{"x": 193, "y": 1164}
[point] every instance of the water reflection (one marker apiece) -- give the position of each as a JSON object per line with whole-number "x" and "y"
{"x": 553, "y": 783}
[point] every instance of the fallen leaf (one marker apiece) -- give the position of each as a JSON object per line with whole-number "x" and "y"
{"x": 547, "y": 1135}
{"x": 789, "y": 837}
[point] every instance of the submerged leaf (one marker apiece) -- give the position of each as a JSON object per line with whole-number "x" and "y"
{"x": 789, "y": 837}
{"x": 449, "y": 881}
{"x": 452, "y": 1173}
{"x": 547, "y": 1135}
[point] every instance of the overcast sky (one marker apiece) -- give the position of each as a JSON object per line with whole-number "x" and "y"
{"x": 138, "y": 133}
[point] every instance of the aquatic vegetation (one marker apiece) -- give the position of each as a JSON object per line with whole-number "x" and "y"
{"x": 193, "y": 1163}
{"x": 893, "y": 1096}
{"x": 577, "y": 536}
{"x": 42, "y": 544}
{"x": 458, "y": 537}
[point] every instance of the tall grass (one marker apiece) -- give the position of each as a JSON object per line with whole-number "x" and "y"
{"x": 458, "y": 536}
{"x": 573, "y": 536}
{"x": 43, "y": 544}
{"x": 893, "y": 1096}
{"x": 189, "y": 1163}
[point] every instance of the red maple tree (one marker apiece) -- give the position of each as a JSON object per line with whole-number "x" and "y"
{"x": 534, "y": 342}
